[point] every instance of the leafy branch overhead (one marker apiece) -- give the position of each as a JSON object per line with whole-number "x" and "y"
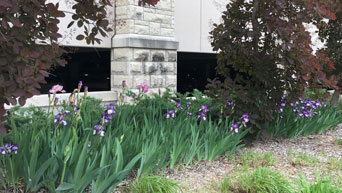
{"x": 265, "y": 50}
{"x": 29, "y": 47}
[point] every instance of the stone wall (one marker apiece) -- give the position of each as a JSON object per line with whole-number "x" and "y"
{"x": 144, "y": 48}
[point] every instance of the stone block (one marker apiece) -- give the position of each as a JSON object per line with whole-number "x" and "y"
{"x": 158, "y": 55}
{"x": 167, "y": 67}
{"x": 151, "y": 68}
{"x": 153, "y": 17}
{"x": 157, "y": 81}
{"x": 172, "y": 56}
{"x": 158, "y": 91}
{"x": 165, "y": 5}
{"x": 142, "y": 55}
{"x": 123, "y": 54}
{"x": 141, "y": 22}
{"x": 154, "y": 28}
{"x": 164, "y": 12}
{"x": 171, "y": 81}
{"x": 135, "y": 67}
{"x": 141, "y": 29}
{"x": 169, "y": 26}
{"x": 118, "y": 67}
{"x": 140, "y": 79}
{"x": 167, "y": 32}
{"x": 116, "y": 81}
{"x": 124, "y": 26}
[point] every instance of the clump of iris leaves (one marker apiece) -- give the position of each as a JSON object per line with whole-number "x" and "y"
{"x": 80, "y": 145}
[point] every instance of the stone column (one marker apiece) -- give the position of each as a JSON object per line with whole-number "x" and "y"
{"x": 144, "y": 48}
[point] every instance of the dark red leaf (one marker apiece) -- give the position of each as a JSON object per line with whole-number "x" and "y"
{"x": 15, "y": 22}
{"x": 22, "y": 100}
{"x": 5, "y": 3}
{"x": 16, "y": 48}
{"x": 70, "y": 24}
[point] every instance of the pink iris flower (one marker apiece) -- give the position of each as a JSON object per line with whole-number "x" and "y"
{"x": 56, "y": 88}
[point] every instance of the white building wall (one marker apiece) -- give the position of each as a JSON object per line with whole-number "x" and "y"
{"x": 69, "y": 34}
{"x": 194, "y": 20}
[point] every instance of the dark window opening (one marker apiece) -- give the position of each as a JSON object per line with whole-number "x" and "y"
{"x": 194, "y": 69}
{"x": 90, "y": 65}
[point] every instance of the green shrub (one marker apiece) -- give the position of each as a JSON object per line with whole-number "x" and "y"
{"x": 73, "y": 150}
{"x": 261, "y": 179}
{"x": 320, "y": 185}
{"x": 155, "y": 184}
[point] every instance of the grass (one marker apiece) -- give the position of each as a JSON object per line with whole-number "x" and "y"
{"x": 256, "y": 159}
{"x": 339, "y": 141}
{"x": 334, "y": 163}
{"x": 302, "y": 159}
{"x": 154, "y": 184}
{"x": 319, "y": 185}
{"x": 261, "y": 179}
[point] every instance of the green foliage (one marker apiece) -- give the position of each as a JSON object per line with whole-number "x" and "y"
{"x": 256, "y": 159}
{"x": 302, "y": 159}
{"x": 293, "y": 126}
{"x": 339, "y": 141}
{"x": 156, "y": 184}
{"x": 139, "y": 138}
{"x": 264, "y": 50}
{"x": 262, "y": 179}
{"x": 320, "y": 185}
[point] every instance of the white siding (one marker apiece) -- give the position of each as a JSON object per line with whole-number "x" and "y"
{"x": 194, "y": 20}
{"x": 69, "y": 35}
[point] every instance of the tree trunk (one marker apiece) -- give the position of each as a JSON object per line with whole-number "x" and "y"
{"x": 335, "y": 98}
{"x": 2, "y": 118}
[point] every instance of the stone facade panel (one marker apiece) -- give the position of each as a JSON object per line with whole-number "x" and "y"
{"x": 140, "y": 79}
{"x": 154, "y": 28}
{"x": 117, "y": 80}
{"x": 158, "y": 55}
{"x": 135, "y": 67}
{"x": 171, "y": 81}
{"x": 167, "y": 67}
{"x": 171, "y": 55}
{"x": 119, "y": 67}
{"x": 140, "y": 29}
{"x": 142, "y": 55}
{"x": 157, "y": 81}
{"x": 151, "y": 68}
{"x": 123, "y": 54}
{"x": 167, "y": 32}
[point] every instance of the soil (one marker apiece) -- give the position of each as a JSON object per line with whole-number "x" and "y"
{"x": 306, "y": 155}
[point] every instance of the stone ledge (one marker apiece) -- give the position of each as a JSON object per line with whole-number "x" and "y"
{"x": 150, "y": 42}
{"x": 43, "y": 100}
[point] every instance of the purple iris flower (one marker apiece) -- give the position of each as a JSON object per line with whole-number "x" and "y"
{"x": 14, "y": 148}
{"x": 105, "y": 118}
{"x": 245, "y": 118}
{"x": 2, "y": 150}
{"x": 60, "y": 118}
{"x": 188, "y": 104}
{"x": 178, "y": 105}
{"x": 235, "y": 127}
{"x": 170, "y": 114}
{"x": 9, "y": 148}
{"x": 189, "y": 114}
{"x": 55, "y": 101}
{"x": 76, "y": 109}
{"x": 201, "y": 114}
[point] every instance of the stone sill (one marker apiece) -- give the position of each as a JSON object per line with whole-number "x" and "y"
{"x": 144, "y": 41}
{"x": 43, "y": 100}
